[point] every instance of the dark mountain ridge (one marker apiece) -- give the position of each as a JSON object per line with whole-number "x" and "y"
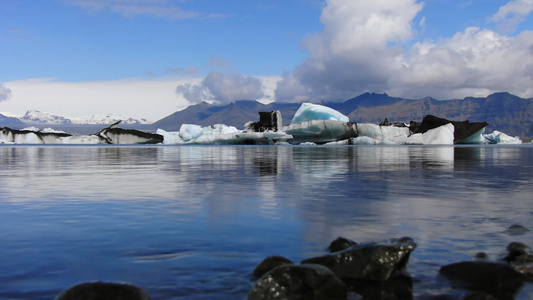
{"x": 503, "y": 111}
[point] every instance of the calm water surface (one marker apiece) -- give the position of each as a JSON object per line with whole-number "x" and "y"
{"x": 187, "y": 222}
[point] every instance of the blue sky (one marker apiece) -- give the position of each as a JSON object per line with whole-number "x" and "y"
{"x": 149, "y": 58}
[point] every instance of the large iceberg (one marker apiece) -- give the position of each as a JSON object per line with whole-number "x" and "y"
{"x": 310, "y": 112}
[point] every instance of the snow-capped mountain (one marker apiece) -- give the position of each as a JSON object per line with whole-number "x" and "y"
{"x": 108, "y": 119}
{"x": 44, "y": 118}
{"x": 39, "y": 117}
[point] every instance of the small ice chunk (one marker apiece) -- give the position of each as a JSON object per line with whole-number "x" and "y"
{"x": 497, "y": 137}
{"x": 33, "y": 128}
{"x": 190, "y": 132}
{"x": 51, "y": 130}
{"x": 170, "y": 137}
{"x": 309, "y": 112}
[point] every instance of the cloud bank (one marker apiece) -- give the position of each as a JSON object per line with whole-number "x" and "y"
{"x": 371, "y": 46}
{"x": 222, "y": 88}
{"x": 5, "y": 93}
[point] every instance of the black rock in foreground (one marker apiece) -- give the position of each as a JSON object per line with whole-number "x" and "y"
{"x": 270, "y": 263}
{"x": 372, "y": 261}
{"x": 497, "y": 279}
{"x": 304, "y": 282}
{"x": 103, "y": 290}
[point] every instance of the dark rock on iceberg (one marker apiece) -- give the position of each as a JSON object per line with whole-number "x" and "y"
{"x": 463, "y": 129}
{"x": 496, "y": 279}
{"x": 304, "y": 282}
{"x": 268, "y": 121}
{"x": 340, "y": 244}
{"x": 270, "y": 263}
{"x": 103, "y": 290}
{"x": 372, "y": 261}
{"x": 42, "y": 137}
{"x": 115, "y": 135}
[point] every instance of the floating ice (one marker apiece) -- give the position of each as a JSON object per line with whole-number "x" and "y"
{"x": 497, "y": 137}
{"x": 310, "y": 112}
{"x": 190, "y": 131}
{"x": 381, "y": 133}
{"x": 442, "y": 135}
{"x": 312, "y": 124}
{"x": 319, "y": 131}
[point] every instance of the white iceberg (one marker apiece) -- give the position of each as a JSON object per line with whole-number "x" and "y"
{"x": 319, "y": 131}
{"x": 497, "y": 137}
{"x": 311, "y": 112}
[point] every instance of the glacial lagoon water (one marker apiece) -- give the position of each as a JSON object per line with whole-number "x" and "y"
{"x": 191, "y": 222}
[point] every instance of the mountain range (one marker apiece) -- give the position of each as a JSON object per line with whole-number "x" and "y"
{"x": 503, "y": 111}
{"x": 36, "y": 117}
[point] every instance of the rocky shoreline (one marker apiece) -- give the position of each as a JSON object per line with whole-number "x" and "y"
{"x": 354, "y": 271}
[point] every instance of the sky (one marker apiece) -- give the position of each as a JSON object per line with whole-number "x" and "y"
{"x": 150, "y": 58}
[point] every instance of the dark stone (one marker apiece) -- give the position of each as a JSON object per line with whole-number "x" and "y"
{"x": 398, "y": 287}
{"x": 496, "y": 279}
{"x": 270, "y": 263}
{"x": 268, "y": 121}
{"x": 516, "y": 229}
{"x": 520, "y": 257}
{"x": 516, "y": 250}
{"x": 340, "y": 244}
{"x": 304, "y": 282}
{"x": 463, "y": 129}
{"x": 103, "y": 290}
{"x": 479, "y": 296}
{"x": 395, "y": 124}
{"x": 372, "y": 261}
{"x": 481, "y": 255}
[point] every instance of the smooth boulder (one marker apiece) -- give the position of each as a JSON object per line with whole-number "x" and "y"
{"x": 340, "y": 243}
{"x": 299, "y": 282}
{"x": 497, "y": 279}
{"x": 104, "y": 290}
{"x": 270, "y": 263}
{"x": 372, "y": 261}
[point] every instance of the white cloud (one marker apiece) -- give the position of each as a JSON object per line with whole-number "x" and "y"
{"x": 151, "y": 99}
{"x": 474, "y": 62}
{"x": 5, "y": 93}
{"x": 512, "y": 14}
{"x": 357, "y": 49}
{"x": 223, "y": 88}
{"x": 366, "y": 46}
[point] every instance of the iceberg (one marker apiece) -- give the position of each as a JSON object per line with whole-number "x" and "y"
{"x": 497, "y": 137}
{"x": 311, "y": 112}
{"x": 109, "y": 135}
{"x": 319, "y": 131}
{"x": 220, "y": 134}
